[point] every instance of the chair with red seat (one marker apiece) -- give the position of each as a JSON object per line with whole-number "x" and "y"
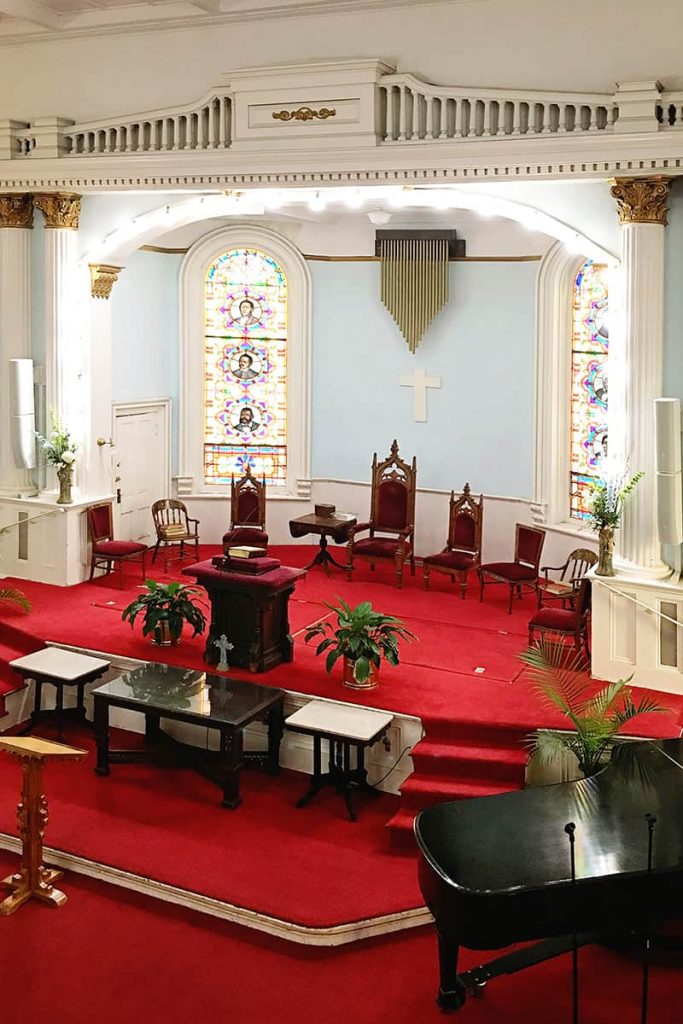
{"x": 523, "y": 571}
{"x": 566, "y": 621}
{"x": 392, "y": 511}
{"x": 463, "y": 547}
{"x": 105, "y": 550}
{"x": 247, "y": 513}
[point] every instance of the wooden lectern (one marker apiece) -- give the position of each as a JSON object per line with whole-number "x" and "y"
{"x": 34, "y": 879}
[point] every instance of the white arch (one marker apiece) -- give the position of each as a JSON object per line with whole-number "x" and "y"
{"x": 192, "y": 274}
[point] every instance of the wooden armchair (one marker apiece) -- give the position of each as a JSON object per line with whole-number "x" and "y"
{"x": 566, "y": 621}
{"x": 565, "y": 588}
{"x": 247, "y": 512}
{"x": 523, "y": 571}
{"x": 106, "y": 552}
{"x": 463, "y": 547}
{"x": 392, "y": 511}
{"x": 174, "y": 526}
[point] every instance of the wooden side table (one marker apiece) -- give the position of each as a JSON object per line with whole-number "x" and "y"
{"x": 343, "y": 726}
{"x": 60, "y": 668}
{"x": 337, "y": 527}
{"x": 34, "y": 879}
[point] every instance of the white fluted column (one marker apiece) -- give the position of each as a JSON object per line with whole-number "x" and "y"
{"x": 16, "y": 222}
{"x": 636, "y": 364}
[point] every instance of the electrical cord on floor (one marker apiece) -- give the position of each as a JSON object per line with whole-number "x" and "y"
{"x": 394, "y": 765}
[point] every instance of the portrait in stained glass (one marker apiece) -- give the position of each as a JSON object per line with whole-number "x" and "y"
{"x": 589, "y": 387}
{"x": 245, "y": 367}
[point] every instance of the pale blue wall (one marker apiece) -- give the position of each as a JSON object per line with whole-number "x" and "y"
{"x": 480, "y": 423}
{"x": 145, "y": 333}
{"x": 673, "y": 296}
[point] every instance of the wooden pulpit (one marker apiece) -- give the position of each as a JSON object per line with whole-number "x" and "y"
{"x": 33, "y": 878}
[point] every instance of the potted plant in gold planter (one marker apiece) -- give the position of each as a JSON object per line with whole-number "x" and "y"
{"x": 363, "y": 638}
{"x": 166, "y": 607}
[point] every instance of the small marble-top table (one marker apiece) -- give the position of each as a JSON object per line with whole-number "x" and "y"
{"x": 251, "y": 611}
{"x": 343, "y": 726}
{"x": 338, "y": 527}
{"x": 60, "y": 668}
{"x": 33, "y": 879}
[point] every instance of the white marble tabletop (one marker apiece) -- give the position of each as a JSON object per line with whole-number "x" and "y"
{"x": 345, "y": 720}
{"x": 61, "y": 664}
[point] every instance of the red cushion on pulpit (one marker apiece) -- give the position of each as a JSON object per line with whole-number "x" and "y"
{"x": 555, "y": 618}
{"x": 458, "y": 560}
{"x": 510, "y": 571}
{"x": 392, "y": 505}
{"x": 118, "y": 548}
{"x": 377, "y": 547}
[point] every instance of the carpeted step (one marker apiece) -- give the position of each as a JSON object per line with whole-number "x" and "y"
{"x": 502, "y": 764}
{"x": 481, "y": 733}
{"x": 425, "y": 790}
{"x": 11, "y": 681}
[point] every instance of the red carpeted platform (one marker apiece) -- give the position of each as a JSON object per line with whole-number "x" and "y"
{"x": 121, "y": 958}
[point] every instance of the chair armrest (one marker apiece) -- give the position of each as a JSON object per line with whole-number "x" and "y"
{"x": 191, "y": 520}
{"x": 358, "y": 528}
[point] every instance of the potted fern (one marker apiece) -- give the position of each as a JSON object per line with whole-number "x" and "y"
{"x": 363, "y": 638}
{"x": 596, "y": 715}
{"x": 12, "y": 597}
{"x": 165, "y": 608}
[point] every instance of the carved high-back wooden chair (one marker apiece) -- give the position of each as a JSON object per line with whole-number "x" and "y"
{"x": 247, "y": 512}
{"x": 392, "y": 511}
{"x": 463, "y": 546}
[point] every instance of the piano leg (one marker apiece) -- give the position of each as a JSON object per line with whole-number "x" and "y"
{"x": 451, "y": 989}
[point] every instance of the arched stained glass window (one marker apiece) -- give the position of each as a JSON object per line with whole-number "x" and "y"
{"x": 590, "y": 347}
{"x": 245, "y": 346}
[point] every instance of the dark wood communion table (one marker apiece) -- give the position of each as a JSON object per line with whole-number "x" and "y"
{"x": 251, "y": 611}
{"x": 337, "y": 528}
{"x": 181, "y": 695}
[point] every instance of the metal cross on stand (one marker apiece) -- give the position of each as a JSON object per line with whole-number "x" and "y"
{"x": 223, "y": 645}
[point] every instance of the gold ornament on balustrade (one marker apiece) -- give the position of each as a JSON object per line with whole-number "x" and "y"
{"x": 16, "y": 210}
{"x": 103, "y": 277}
{"x": 641, "y": 200}
{"x": 60, "y": 209}
{"x": 303, "y": 114}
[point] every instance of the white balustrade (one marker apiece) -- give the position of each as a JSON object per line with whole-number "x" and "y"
{"x": 669, "y": 110}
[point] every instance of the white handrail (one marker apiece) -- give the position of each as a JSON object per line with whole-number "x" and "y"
{"x": 641, "y": 604}
{"x": 31, "y": 519}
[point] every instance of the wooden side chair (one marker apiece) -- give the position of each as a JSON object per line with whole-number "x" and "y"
{"x": 523, "y": 571}
{"x": 463, "y": 547}
{"x": 174, "y": 526}
{"x": 566, "y": 621}
{"x": 564, "y": 589}
{"x": 392, "y": 511}
{"x": 247, "y": 512}
{"x": 106, "y": 552}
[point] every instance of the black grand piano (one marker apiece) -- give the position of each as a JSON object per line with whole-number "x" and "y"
{"x": 496, "y": 870}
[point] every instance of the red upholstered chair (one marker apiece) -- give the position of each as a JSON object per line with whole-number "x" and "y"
{"x": 523, "y": 572}
{"x": 105, "y": 550}
{"x": 565, "y": 621}
{"x": 247, "y": 513}
{"x": 392, "y": 511}
{"x": 463, "y": 547}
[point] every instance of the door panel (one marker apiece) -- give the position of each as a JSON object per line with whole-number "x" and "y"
{"x": 140, "y": 459}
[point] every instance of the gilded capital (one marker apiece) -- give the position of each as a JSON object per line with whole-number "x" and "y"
{"x": 16, "y": 210}
{"x": 103, "y": 277}
{"x": 641, "y": 200}
{"x": 60, "y": 209}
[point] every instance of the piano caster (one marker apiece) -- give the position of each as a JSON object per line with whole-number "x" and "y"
{"x": 476, "y": 991}
{"x": 451, "y": 1001}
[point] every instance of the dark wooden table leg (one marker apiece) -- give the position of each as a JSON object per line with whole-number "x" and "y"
{"x": 347, "y": 775}
{"x": 231, "y": 747}
{"x": 35, "y": 714}
{"x": 318, "y": 780}
{"x": 276, "y": 728}
{"x": 59, "y": 707}
{"x": 80, "y": 701}
{"x": 101, "y": 724}
{"x": 152, "y": 728}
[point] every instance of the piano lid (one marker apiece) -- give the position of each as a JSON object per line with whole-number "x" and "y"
{"x": 515, "y": 841}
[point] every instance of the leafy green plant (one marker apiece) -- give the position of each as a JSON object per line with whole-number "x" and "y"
{"x": 596, "y": 715}
{"x": 59, "y": 447}
{"x": 166, "y": 606}
{"x": 361, "y": 635}
{"x": 10, "y": 596}
{"x": 608, "y": 500}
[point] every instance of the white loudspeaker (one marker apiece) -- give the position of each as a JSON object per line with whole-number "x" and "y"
{"x": 668, "y": 470}
{"x": 22, "y": 413}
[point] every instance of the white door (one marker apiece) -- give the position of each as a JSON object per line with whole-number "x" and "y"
{"x": 141, "y": 459}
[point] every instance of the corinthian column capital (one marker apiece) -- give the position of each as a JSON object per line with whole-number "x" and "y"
{"x": 641, "y": 200}
{"x": 60, "y": 209}
{"x": 16, "y": 210}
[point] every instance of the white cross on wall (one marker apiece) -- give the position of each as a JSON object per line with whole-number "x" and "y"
{"x": 420, "y": 381}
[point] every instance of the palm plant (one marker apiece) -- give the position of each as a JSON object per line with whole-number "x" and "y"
{"x": 165, "y": 607}
{"x": 10, "y": 596}
{"x": 597, "y": 716}
{"x": 362, "y": 636}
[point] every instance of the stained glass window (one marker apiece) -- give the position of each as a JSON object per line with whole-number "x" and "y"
{"x": 590, "y": 345}
{"x": 245, "y": 391}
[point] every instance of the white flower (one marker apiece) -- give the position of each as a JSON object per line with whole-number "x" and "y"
{"x": 68, "y": 457}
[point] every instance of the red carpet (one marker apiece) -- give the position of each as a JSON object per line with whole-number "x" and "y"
{"x": 115, "y": 957}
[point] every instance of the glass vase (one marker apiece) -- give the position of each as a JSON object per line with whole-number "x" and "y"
{"x": 65, "y": 476}
{"x": 605, "y": 566}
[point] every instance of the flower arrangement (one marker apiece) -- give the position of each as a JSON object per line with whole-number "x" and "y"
{"x": 60, "y": 450}
{"x": 605, "y": 514}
